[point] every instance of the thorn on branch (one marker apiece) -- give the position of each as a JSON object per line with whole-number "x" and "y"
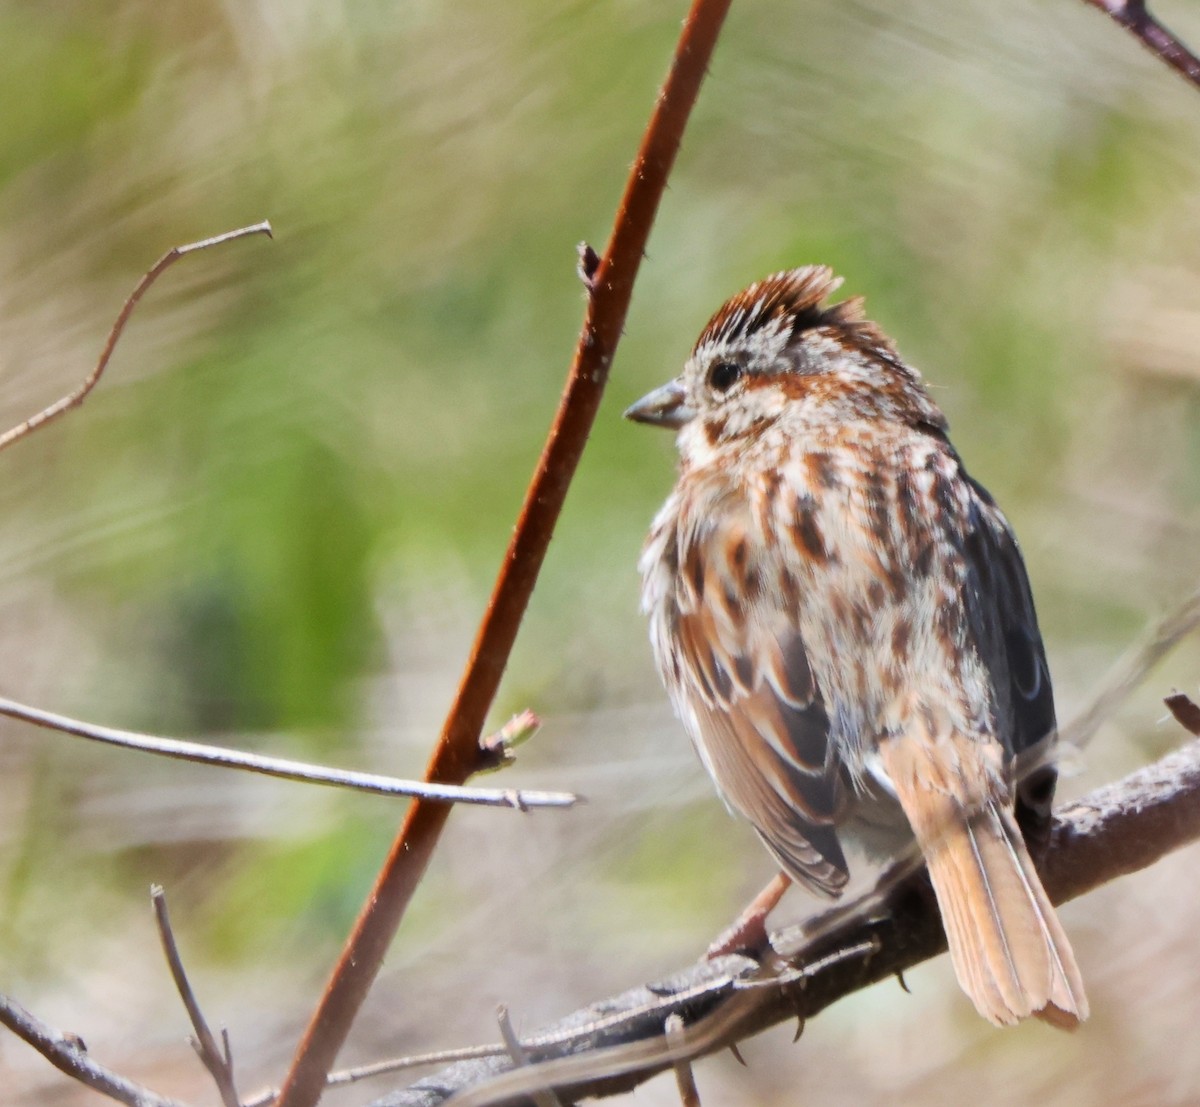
{"x": 588, "y": 265}
{"x": 902, "y": 982}
{"x": 543, "y": 1098}
{"x": 689, "y": 1094}
{"x": 1186, "y": 712}
{"x": 737, "y": 1054}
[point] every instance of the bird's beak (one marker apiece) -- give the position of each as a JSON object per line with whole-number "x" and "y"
{"x": 664, "y": 407}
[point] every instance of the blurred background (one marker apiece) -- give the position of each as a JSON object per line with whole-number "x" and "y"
{"x": 276, "y": 521}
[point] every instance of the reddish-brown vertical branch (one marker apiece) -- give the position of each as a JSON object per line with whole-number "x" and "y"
{"x": 456, "y": 754}
{"x": 1133, "y": 16}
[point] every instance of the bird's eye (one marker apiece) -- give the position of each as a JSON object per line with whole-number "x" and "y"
{"x": 724, "y": 374}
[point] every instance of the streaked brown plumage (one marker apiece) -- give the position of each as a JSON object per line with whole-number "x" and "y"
{"x": 843, "y": 621}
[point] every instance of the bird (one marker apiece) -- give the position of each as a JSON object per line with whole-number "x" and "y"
{"x": 844, "y": 624}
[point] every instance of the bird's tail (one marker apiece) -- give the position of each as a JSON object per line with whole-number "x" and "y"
{"x": 1010, "y": 953}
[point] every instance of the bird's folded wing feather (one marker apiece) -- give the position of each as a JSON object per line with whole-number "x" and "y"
{"x": 1004, "y": 628}
{"x": 759, "y": 722}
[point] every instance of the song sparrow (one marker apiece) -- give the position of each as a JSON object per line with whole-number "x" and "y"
{"x": 844, "y": 624}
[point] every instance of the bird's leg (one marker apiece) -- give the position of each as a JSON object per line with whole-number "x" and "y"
{"x": 749, "y": 933}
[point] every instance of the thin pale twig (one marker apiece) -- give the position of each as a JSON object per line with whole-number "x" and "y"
{"x": 457, "y": 753}
{"x": 345, "y": 1077}
{"x": 284, "y": 769}
{"x": 75, "y": 398}
{"x": 218, "y": 1062}
{"x": 1131, "y": 670}
{"x": 69, "y": 1055}
{"x": 1133, "y": 16}
{"x": 417, "y": 1060}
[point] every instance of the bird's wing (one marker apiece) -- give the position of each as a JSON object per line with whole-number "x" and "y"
{"x": 743, "y": 683}
{"x": 1003, "y": 624}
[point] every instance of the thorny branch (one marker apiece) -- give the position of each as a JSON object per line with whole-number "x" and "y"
{"x": 1133, "y": 16}
{"x": 457, "y": 756}
{"x": 618, "y": 1043}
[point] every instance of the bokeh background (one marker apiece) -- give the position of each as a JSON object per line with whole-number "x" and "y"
{"x": 277, "y": 520}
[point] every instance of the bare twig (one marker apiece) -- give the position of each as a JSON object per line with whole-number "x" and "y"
{"x": 1131, "y": 670}
{"x": 457, "y": 753}
{"x": 541, "y": 1097}
{"x": 218, "y": 1060}
{"x": 68, "y": 1054}
{"x": 204, "y": 754}
{"x": 345, "y": 1077}
{"x": 74, "y": 399}
{"x": 618, "y": 1043}
{"x": 1133, "y": 16}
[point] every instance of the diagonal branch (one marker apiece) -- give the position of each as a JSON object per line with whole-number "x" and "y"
{"x": 619, "y": 1043}
{"x": 68, "y": 1054}
{"x": 1133, "y": 16}
{"x": 456, "y": 756}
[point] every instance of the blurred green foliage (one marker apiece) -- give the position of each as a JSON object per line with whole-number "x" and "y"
{"x": 282, "y": 510}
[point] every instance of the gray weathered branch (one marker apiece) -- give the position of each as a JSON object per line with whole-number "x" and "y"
{"x": 67, "y": 1053}
{"x": 617, "y": 1043}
